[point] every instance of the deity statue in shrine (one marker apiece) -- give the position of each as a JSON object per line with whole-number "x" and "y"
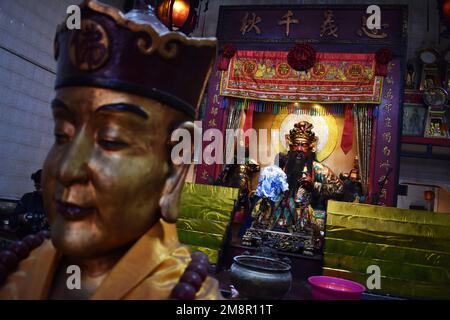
{"x": 291, "y": 199}
{"x": 272, "y": 185}
{"x": 239, "y": 176}
{"x": 311, "y": 183}
{"x": 110, "y": 187}
{"x": 353, "y": 191}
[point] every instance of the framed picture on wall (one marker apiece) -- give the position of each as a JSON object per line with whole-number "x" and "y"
{"x": 414, "y": 119}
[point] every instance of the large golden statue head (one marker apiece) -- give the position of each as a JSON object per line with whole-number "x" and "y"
{"x": 124, "y": 83}
{"x": 302, "y": 138}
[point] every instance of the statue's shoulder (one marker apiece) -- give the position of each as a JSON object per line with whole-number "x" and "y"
{"x": 322, "y": 168}
{"x": 179, "y": 275}
{"x": 324, "y": 172}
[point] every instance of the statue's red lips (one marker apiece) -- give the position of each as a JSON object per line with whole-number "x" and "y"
{"x": 71, "y": 211}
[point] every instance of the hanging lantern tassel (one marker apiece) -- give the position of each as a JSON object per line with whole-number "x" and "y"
{"x": 248, "y": 124}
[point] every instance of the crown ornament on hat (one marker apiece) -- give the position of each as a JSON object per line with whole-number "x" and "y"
{"x": 134, "y": 53}
{"x": 301, "y": 132}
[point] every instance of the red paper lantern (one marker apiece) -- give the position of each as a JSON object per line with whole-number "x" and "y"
{"x": 446, "y": 10}
{"x": 428, "y": 195}
{"x": 180, "y": 13}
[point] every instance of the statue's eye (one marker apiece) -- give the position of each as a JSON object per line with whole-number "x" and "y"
{"x": 112, "y": 145}
{"x": 61, "y": 138}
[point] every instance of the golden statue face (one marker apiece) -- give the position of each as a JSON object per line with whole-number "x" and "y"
{"x": 302, "y": 146}
{"x": 104, "y": 176}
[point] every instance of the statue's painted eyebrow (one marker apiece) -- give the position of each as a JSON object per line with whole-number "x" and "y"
{"x": 58, "y": 104}
{"x": 124, "y": 107}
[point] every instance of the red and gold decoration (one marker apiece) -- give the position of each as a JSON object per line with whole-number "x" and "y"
{"x": 347, "y": 132}
{"x": 383, "y": 57}
{"x": 384, "y": 159}
{"x": 215, "y": 118}
{"x": 228, "y": 52}
{"x": 335, "y": 78}
{"x": 302, "y": 57}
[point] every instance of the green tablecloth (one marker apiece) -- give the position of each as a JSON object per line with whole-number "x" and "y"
{"x": 205, "y": 214}
{"x": 412, "y": 248}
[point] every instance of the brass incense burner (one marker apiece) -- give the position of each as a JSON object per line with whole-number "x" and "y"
{"x": 261, "y": 278}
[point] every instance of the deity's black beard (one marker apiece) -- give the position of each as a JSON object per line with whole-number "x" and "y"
{"x": 294, "y": 168}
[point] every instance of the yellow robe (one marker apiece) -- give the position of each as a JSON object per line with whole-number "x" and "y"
{"x": 149, "y": 270}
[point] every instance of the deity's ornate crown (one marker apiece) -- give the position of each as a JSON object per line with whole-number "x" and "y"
{"x": 302, "y": 131}
{"x": 135, "y": 53}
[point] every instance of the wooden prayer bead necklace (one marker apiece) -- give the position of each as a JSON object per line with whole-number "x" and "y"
{"x": 192, "y": 279}
{"x": 19, "y": 250}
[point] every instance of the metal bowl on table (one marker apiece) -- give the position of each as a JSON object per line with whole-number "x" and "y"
{"x": 260, "y": 278}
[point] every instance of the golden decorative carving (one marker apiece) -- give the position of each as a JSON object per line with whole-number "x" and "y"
{"x": 144, "y": 47}
{"x": 89, "y": 46}
{"x": 160, "y": 41}
{"x": 279, "y": 240}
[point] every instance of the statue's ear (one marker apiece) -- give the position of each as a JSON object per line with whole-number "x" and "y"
{"x": 170, "y": 197}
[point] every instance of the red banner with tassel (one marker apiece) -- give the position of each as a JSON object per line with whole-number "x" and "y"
{"x": 347, "y": 132}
